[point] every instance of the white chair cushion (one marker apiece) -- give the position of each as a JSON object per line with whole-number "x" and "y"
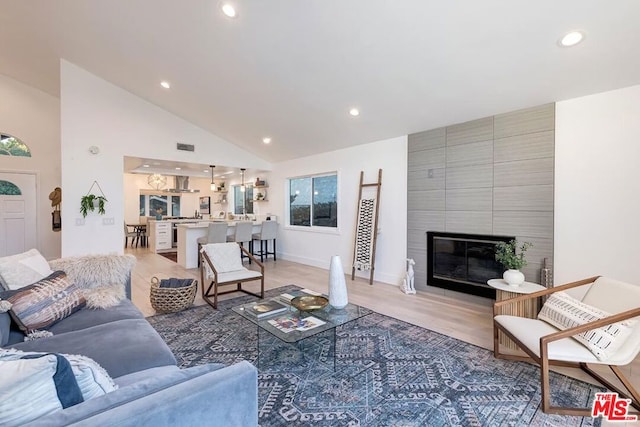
{"x": 234, "y": 276}
{"x": 225, "y": 257}
{"x": 529, "y": 332}
{"x": 563, "y": 311}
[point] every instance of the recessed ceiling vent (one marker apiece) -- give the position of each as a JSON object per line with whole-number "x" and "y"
{"x": 185, "y": 147}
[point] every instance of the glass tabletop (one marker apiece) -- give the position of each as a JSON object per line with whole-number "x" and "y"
{"x": 292, "y": 325}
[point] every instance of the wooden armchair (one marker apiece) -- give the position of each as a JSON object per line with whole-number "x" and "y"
{"x": 547, "y": 345}
{"x": 221, "y": 265}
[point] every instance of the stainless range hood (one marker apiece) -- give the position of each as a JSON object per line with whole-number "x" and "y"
{"x": 181, "y": 185}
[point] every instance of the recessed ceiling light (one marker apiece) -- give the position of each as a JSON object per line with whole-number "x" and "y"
{"x": 165, "y": 84}
{"x": 205, "y": 171}
{"x": 178, "y": 169}
{"x": 354, "y": 112}
{"x": 572, "y": 38}
{"x": 229, "y": 10}
{"x": 266, "y": 140}
{"x": 145, "y": 166}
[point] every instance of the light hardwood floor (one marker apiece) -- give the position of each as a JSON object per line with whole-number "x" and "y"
{"x": 465, "y": 320}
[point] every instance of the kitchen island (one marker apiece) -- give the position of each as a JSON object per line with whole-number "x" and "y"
{"x": 188, "y": 240}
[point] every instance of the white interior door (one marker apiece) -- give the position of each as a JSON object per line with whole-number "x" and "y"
{"x": 18, "y": 232}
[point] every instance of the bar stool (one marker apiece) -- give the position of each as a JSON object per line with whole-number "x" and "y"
{"x": 243, "y": 233}
{"x": 268, "y": 231}
{"x": 217, "y": 233}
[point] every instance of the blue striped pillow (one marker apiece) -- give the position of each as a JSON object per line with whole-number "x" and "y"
{"x": 40, "y": 305}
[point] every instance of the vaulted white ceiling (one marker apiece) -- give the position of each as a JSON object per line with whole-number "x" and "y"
{"x": 292, "y": 69}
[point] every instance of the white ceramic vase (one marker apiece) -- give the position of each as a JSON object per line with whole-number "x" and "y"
{"x": 513, "y": 277}
{"x": 337, "y": 284}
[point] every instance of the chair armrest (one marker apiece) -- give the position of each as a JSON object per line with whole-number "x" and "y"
{"x": 541, "y": 293}
{"x": 253, "y": 258}
{"x": 566, "y": 333}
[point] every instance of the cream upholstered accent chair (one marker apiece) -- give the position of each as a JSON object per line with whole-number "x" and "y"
{"x": 617, "y": 307}
{"x": 221, "y": 265}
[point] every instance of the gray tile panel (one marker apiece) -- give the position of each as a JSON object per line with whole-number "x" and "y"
{"x": 525, "y": 198}
{"x": 469, "y": 199}
{"x": 427, "y": 140}
{"x": 473, "y": 131}
{"x": 425, "y": 179}
{"x": 514, "y": 223}
{"x": 476, "y": 176}
{"x": 469, "y": 222}
{"x": 524, "y": 147}
{"x": 416, "y": 239}
{"x": 432, "y": 200}
{"x": 521, "y": 122}
{"x": 525, "y": 172}
{"x": 425, "y": 220}
{"x": 427, "y": 159}
{"x": 470, "y": 154}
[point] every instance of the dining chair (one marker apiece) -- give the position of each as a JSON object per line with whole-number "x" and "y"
{"x": 268, "y": 231}
{"x": 133, "y": 234}
{"x": 243, "y": 233}
{"x": 601, "y": 328}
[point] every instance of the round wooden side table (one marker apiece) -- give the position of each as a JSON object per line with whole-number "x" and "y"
{"x": 528, "y": 308}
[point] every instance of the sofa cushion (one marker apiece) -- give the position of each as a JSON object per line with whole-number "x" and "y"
{"x": 563, "y": 311}
{"x": 121, "y": 347}
{"x": 35, "y": 385}
{"x": 23, "y": 269}
{"x": 45, "y": 302}
{"x": 162, "y": 400}
{"x": 88, "y": 317}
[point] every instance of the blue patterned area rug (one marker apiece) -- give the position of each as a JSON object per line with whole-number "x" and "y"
{"x": 387, "y": 373}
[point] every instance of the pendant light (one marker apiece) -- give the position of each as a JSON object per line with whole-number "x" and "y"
{"x": 242, "y": 187}
{"x": 213, "y": 184}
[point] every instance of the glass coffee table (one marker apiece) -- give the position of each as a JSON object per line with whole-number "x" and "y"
{"x": 296, "y": 322}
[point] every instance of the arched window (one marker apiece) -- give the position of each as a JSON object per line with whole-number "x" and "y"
{"x": 12, "y": 146}
{"x": 9, "y": 189}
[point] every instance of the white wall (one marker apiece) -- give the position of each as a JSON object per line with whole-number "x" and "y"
{"x": 316, "y": 248}
{"x": 34, "y": 117}
{"x": 597, "y": 187}
{"x": 95, "y": 112}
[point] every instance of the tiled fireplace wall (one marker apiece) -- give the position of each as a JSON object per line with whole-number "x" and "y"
{"x": 486, "y": 176}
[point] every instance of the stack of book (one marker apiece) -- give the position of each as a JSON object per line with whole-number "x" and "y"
{"x": 266, "y": 308}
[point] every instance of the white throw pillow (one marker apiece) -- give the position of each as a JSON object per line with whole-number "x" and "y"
{"x": 23, "y": 269}
{"x": 32, "y": 388}
{"x": 225, "y": 257}
{"x": 92, "y": 378}
{"x": 563, "y": 311}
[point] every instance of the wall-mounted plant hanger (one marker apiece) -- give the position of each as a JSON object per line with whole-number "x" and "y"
{"x": 90, "y": 201}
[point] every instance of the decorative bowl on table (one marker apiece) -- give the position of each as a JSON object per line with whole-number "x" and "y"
{"x": 309, "y": 302}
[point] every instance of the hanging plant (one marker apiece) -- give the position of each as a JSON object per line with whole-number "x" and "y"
{"x": 89, "y": 202}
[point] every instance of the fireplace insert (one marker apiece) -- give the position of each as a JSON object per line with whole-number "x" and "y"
{"x": 463, "y": 262}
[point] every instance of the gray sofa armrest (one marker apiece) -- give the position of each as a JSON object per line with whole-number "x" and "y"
{"x": 197, "y": 396}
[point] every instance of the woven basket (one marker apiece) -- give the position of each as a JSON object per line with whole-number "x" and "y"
{"x": 169, "y": 300}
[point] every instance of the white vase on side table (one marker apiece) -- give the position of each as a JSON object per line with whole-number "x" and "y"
{"x": 513, "y": 277}
{"x": 337, "y": 284}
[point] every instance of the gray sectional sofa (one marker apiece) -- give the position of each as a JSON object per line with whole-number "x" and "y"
{"x": 152, "y": 391}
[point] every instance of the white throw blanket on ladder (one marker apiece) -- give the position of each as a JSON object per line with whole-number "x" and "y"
{"x": 365, "y": 234}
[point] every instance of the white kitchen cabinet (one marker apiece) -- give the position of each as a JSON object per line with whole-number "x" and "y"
{"x": 160, "y": 235}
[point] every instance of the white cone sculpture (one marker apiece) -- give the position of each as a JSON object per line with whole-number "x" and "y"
{"x": 337, "y": 285}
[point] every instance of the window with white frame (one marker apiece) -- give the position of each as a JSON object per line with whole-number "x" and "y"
{"x": 313, "y": 201}
{"x": 242, "y": 200}
{"x": 159, "y": 204}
